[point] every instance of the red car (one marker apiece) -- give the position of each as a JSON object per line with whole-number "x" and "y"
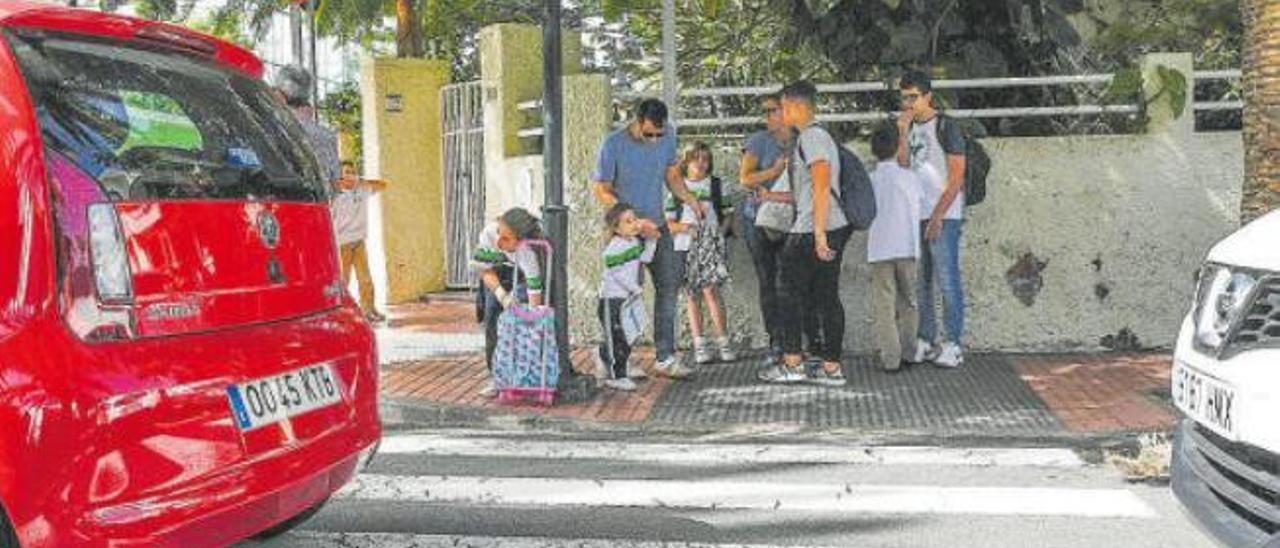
{"x": 179, "y": 362}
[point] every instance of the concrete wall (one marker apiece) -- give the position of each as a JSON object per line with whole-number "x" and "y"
{"x": 403, "y": 145}
{"x": 511, "y": 73}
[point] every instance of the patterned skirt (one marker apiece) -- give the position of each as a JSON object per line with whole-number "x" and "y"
{"x": 708, "y": 262}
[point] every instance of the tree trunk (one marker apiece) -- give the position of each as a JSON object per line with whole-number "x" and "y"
{"x": 408, "y": 30}
{"x": 1261, "y": 58}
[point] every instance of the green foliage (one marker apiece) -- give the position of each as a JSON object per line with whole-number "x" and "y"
{"x": 1173, "y": 87}
{"x": 341, "y": 109}
{"x": 1210, "y": 29}
{"x": 227, "y": 25}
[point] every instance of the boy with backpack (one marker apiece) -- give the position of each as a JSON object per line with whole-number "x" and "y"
{"x": 814, "y": 247}
{"x": 927, "y": 139}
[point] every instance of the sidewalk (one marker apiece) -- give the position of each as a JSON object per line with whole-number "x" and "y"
{"x": 992, "y": 396}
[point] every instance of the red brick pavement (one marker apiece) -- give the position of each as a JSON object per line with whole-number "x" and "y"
{"x": 441, "y": 313}
{"x": 1102, "y": 393}
{"x": 457, "y": 380}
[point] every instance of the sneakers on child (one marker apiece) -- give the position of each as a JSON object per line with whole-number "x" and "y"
{"x": 671, "y": 367}
{"x": 781, "y": 374}
{"x": 925, "y": 352}
{"x": 621, "y": 385}
{"x": 489, "y": 390}
{"x": 951, "y": 356}
{"x": 726, "y": 350}
{"x": 702, "y": 351}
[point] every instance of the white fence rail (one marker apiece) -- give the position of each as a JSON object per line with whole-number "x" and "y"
{"x": 958, "y": 84}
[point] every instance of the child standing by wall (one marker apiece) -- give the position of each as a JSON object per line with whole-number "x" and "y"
{"x": 620, "y": 287}
{"x": 893, "y": 246}
{"x": 706, "y": 261}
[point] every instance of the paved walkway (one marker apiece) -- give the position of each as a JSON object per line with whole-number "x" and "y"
{"x": 993, "y": 395}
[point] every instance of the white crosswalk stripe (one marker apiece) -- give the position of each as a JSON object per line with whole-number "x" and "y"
{"x": 702, "y": 454}
{"x": 487, "y": 489}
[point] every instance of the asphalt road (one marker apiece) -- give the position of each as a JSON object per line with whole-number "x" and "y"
{"x": 487, "y": 489}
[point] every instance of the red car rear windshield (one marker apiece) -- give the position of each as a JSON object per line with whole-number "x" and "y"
{"x": 151, "y": 124}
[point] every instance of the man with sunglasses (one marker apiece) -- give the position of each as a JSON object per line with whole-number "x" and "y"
{"x": 934, "y": 148}
{"x": 638, "y": 164}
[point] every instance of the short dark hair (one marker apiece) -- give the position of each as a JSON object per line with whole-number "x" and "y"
{"x": 918, "y": 80}
{"x": 800, "y": 90}
{"x": 347, "y": 163}
{"x": 884, "y": 142}
{"x": 613, "y": 217}
{"x": 652, "y": 110}
{"x": 775, "y": 97}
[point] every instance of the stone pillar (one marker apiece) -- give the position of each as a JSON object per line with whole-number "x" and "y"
{"x": 511, "y": 74}
{"x": 588, "y": 118}
{"x": 1163, "y": 116}
{"x": 403, "y": 144}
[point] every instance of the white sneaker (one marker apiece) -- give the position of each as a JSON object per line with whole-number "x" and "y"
{"x": 489, "y": 390}
{"x": 951, "y": 356}
{"x": 781, "y": 374}
{"x": 702, "y": 352}
{"x": 925, "y": 352}
{"x": 726, "y": 350}
{"x": 621, "y": 385}
{"x": 671, "y": 367}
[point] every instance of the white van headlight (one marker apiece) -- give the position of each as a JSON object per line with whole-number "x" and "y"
{"x": 1224, "y": 296}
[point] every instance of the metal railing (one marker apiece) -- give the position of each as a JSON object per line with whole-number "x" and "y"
{"x": 958, "y": 84}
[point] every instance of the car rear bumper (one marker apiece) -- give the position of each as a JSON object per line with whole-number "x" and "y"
{"x": 1228, "y": 496}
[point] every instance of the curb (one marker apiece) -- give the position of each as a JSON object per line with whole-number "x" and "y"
{"x": 404, "y": 415}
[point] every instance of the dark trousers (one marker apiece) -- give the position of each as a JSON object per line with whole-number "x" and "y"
{"x": 615, "y": 351}
{"x": 766, "y": 255}
{"x": 813, "y": 285}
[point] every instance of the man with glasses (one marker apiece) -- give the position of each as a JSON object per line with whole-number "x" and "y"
{"x": 934, "y": 148}
{"x": 764, "y": 161}
{"x": 636, "y": 165}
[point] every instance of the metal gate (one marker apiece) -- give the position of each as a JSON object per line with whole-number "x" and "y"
{"x": 463, "y": 110}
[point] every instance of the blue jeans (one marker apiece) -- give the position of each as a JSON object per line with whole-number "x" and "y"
{"x": 940, "y": 264}
{"x": 667, "y": 270}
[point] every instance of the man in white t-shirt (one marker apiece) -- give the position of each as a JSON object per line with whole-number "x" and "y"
{"x": 930, "y": 144}
{"x": 893, "y": 245}
{"x": 350, "y": 209}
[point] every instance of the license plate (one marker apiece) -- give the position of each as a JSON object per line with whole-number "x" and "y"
{"x": 1207, "y": 400}
{"x": 270, "y": 400}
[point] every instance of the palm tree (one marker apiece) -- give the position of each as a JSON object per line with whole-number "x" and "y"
{"x": 1261, "y": 55}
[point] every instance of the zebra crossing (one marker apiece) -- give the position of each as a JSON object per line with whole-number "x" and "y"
{"x": 490, "y": 489}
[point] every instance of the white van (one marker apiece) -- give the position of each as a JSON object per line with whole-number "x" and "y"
{"x": 1226, "y": 381}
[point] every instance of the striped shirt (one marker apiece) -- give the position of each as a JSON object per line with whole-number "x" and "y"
{"x": 622, "y": 260}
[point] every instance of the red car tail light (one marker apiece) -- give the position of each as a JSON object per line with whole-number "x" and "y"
{"x": 93, "y": 264}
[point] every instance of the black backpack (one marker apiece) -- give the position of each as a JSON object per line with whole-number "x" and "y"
{"x": 977, "y": 164}
{"x": 856, "y": 197}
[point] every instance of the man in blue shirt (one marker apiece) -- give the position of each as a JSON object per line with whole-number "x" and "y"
{"x": 637, "y": 165}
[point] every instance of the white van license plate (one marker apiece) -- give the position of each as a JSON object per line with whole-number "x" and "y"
{"x": 266, "y": 401}
{"x": 1205, "y": 399}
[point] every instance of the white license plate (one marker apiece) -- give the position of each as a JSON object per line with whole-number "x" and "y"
{"x": 261, "y": 402}
{"x": 1207, "y": 400}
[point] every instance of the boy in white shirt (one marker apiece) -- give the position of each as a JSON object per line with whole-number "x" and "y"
{"x": 893, "y": 246}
